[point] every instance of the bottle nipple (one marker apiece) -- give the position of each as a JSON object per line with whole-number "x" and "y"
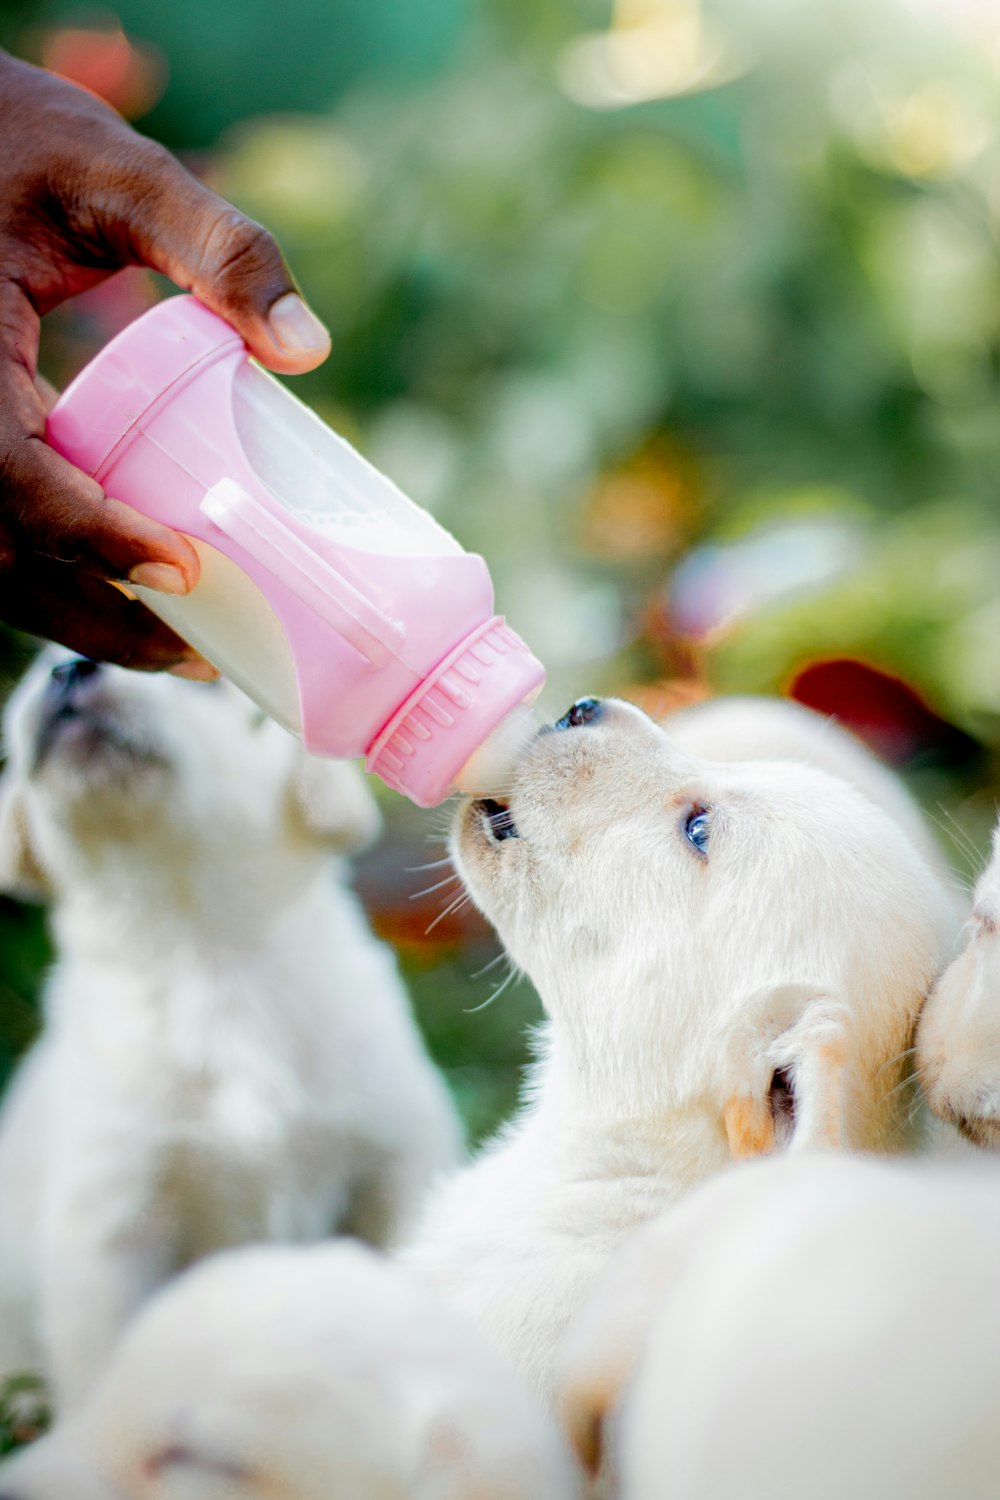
{"x": 489, "y": 770}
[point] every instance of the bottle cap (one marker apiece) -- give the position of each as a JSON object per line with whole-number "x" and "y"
{"x": 424, "y": 746}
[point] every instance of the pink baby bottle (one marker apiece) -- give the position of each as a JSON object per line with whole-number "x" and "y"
{"x": 338, "y": 605}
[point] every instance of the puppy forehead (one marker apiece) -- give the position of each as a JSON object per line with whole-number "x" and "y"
{"x": 627, "y": 748}
{"x": 633, "y": 765}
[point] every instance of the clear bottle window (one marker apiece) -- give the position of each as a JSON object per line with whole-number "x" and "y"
{"x": 322, "y": 480}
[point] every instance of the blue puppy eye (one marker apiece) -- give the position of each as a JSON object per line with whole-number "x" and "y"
{"x": 697, "y": 830}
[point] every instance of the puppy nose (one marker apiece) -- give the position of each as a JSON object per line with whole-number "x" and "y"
{"x": 583, "y": 711}
{"x": 66, "y": 675}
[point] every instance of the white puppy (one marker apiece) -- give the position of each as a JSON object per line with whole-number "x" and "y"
{"x": 309, "y": 1374}
{"x": 731, "y": 957}
{"x": 227, "y": 1054}
{"x": 821, "y": 1328}
{"x": 740, "y": 728}
{"x": 958, "y": 1038}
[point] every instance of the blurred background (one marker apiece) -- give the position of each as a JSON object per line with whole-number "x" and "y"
{"x": 686, "y": 315}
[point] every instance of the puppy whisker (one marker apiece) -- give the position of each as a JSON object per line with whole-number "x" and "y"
{"x": 960, "y": 839}
{"x": 918, "y": 1100}
{"x": 899, "y": 1057}
{"x": 505, "y": 985}
{"x": 909, "y": 1082}
{"x": 455, "y": 906}
{"x": 449, "y": 880}
{"x": 491, "y": 965}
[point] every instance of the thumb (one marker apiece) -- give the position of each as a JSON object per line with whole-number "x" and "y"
{"x": 176, "y": 225}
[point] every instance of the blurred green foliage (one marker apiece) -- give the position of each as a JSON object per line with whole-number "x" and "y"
{"x": 24, "y": 1412}
{"x": 689, "y": 325}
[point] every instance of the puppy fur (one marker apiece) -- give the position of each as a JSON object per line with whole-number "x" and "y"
{"x": 742, "y": 728}
{"x": 804, "y": 1328}
{"x": 227, "y": 1053}
{"x": 702, "y": 1005}
{"x": 305, "y": 1373}
{"x": 958, "y": 1038}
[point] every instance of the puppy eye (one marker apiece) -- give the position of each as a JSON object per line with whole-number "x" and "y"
{"x": 697, "y": 829}
{"x": 583, "y": 711}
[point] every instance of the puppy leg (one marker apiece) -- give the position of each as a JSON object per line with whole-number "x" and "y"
{"x": 24, "y": 1155}
{"x": 790, "y": 1063}
{"x": 106, "y": 1244}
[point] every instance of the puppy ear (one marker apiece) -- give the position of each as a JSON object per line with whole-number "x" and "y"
{"x": 334, "y": 802}
{"x": 20, "y": 873}
{"x": 790, "y": 1061}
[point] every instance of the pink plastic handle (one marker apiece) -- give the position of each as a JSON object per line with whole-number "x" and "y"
{"x": 316, "y": 581}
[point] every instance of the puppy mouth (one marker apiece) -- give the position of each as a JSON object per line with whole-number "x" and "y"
{"x": 496, "y": 820}
{"x": 87, "y": 733}
{"x": 54, "y": 726}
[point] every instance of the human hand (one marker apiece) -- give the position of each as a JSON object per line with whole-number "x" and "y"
{"x": 81, "y": 196}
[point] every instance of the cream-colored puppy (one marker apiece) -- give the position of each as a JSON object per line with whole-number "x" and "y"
{"x": 806, "y": 1329}
{"x": 228, "y": 1054}
{"x": 958, "y": 1038}
{"x": 324, "y": 1373}
{"x": 742, "y": 728}
{"x": 731, "y": 956}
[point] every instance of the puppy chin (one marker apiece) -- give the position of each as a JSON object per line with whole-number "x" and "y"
{"x": 87, "y": 753}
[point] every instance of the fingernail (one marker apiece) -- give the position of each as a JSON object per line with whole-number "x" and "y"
{"x": 197, "y": 668}
{"x": 163, "y": 577}
{"x": 296, "y": 328}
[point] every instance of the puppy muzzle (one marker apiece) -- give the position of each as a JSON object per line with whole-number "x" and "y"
{"x": 71, "y": 686}
{"x": 86, "y": 710}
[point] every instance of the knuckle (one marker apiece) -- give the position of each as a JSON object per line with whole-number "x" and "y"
{"x": 239, "y": 250}
{"x": 154, "y": 158}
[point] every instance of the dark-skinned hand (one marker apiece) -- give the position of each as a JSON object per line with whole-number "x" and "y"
{"x": 82, "y": 195}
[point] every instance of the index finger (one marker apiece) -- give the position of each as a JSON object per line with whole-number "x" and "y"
{"x": 59, "y": 603}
